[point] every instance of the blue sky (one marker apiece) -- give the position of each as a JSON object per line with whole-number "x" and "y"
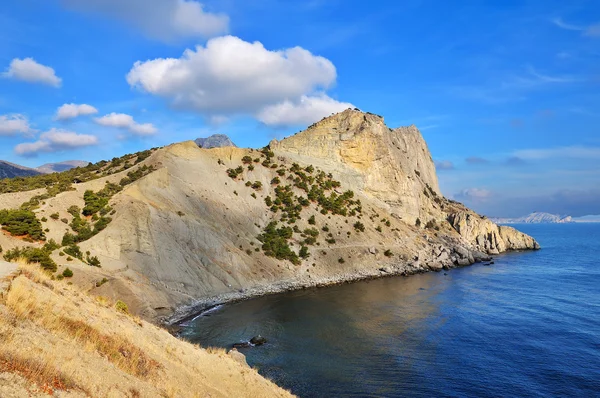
{"x": 506, "y": 93}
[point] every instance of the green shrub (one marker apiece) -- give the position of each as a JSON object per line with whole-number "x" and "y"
{"x": 311, "y": 220}
{"x": 359, "y": 226}
{"x": 32, "y": 255}
{"x": 93, "y": 261}
{"x": 275, "y": 242}
{"x": 67, "y": 273}
{"x": 304, "y": 252}
{"x": 54, "y": 216}
{"x": 121, "y": 307}
{"x": 73, "y": 250}
{"x": 388, "y": 253}
{"x": 22, "y": 223}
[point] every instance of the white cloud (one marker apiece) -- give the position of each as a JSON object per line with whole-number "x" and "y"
{"x": 29, "y": 70}
{"x": 14, "y": 124}
{"x": 70, "y": 111}
{"x": 563, "y": 25}
{"x": 590, "y": 31}
{"x": 124, "y": 121}
{"x": 574, "y": 152}
{"x": 230, "y": 76}
{"x": 306, "y": 111}
{"x": 165, "y": 20}
{"x": 56, "y": 140}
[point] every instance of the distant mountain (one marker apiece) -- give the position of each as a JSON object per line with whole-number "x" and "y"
{"x": 214, "y": 141}
{"x": 61, "y": 166}
{"x": 11, "y": 170}
{"x": 535, "y": 218}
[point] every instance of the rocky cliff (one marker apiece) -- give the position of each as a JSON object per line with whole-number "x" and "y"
{"x": 347, "y": 199}
{"x": 392, "y": 166}
{"x": 214, "y": 141}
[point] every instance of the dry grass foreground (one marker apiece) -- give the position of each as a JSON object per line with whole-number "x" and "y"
{"x": 57, "y": 340}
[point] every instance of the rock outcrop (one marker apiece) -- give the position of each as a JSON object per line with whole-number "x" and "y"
{"x": 393, "y": 166}
{"x": 214, "y": 141}
{"x": 485, "y": 236}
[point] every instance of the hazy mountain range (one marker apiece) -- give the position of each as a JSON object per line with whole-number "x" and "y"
{"x": 545, "y": 218}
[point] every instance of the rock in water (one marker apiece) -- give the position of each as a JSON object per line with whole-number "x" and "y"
{"x": 258, "y": 340}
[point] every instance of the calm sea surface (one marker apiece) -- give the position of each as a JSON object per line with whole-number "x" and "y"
{"x": 527, "y": 326}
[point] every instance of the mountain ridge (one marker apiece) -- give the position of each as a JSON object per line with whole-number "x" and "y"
{"x": 535, "y": 218}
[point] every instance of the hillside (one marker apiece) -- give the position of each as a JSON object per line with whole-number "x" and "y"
{"x": 58, "y": 340}
{"x": 11, "y": 170}
{"x": 177, "y": 228}
{"x": 536, "y": 218}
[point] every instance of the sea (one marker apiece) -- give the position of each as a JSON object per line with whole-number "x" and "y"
{"x": 526, "y": 326}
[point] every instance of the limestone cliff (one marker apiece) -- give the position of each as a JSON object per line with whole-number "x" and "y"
{"x": 393, "y": 166}
{"x": 347, "y": 199}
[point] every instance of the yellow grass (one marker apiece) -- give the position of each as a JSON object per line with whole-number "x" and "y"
{"x": 56, "y": 337}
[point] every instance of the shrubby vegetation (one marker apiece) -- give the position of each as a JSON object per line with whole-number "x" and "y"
{"x": 32, "y": 255}
{"x": 22, "y": 223}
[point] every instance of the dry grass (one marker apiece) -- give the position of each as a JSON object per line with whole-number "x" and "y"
{"x": 118, "y": 350}
{"x": 46, "y": 377}
{"x": 56, "y": 337}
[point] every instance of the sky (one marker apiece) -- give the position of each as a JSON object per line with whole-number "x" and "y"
{"x": 505, "y": 92}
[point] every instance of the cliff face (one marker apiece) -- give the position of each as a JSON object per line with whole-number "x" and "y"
{"x": 346, "y": 199}
{"x": 393, "y": 166}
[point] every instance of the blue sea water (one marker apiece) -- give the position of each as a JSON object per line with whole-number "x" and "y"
{"x": 527, "y": 326}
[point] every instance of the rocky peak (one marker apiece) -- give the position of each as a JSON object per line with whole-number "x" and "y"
{"x": 214, "y": 141}
{"x": 392, "y": 165}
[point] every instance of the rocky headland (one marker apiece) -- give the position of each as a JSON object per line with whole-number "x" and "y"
{"x": 187, "y": 227}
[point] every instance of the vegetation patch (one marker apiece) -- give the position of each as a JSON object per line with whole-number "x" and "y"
{"x": 32, "y": 255}
{"x": 22, "y": 223}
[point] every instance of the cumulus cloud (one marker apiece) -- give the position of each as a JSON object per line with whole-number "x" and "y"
{"x": 71, "y": 111}
{"x": 474, "y": 195}
{"x": 14, "y": 124}
{"x": 305, "y": 111}
{"x": 56, "y": 140}
{"x": 124, "y": 121}
{"x": 229, "y": 76}
{"x": 165, "y": 20}
{"x": 29, "y": 70}
{"x": 444, "y": 165}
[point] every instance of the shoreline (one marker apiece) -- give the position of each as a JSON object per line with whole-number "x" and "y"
{"x": 189, "y": 312}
